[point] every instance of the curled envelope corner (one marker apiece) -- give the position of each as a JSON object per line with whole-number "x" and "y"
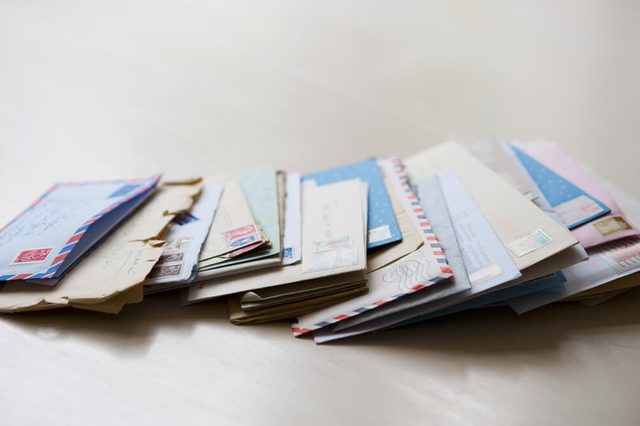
{"x": 118, "y": 265}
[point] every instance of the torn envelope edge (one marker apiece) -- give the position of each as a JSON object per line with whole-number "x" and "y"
{"x": 167, "y": 205}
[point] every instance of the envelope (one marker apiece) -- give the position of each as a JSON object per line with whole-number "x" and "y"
{"x": 485, "y": 264}
{"x": 333, "y": 243}
{"x": 65, "y": 224}
{"x": 503, "y": 161}
{"x": 296, "y": 292}
{"x": 574, "y": 206}
{"x": 405, "y": 276}
{"x": 264, "y": 192}
{"x": 592, "y": 301}
{"x": 184, "y": 240}
{"x": 411, "y": 238}
{"x": 233, "y": 227}
{"x": 607, "y": 262}
{"x": 292, "y": 224}
{"x": 529, "y": 234}
{"x": 595, "y": 216}
{"x": 381, "y": 222}
{"x": 117, "y": 265}
{"x": 239, "y": 316}
{"x": 438, "y": 221}
{"x": 625, "y": 283}
{"x": 115, "y": 304}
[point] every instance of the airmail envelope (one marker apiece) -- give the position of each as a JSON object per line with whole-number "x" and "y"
{"x": 529, "y": 234}
{"x": 54, "y": 233}
{"x": 118, "y": 265}
{"x": 333, "y": 242}
{"x": 405, "y": 276}
{"x": 596, "y": 214}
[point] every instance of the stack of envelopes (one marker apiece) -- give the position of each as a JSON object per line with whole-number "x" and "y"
{"x": 350, "y": 226}
{"x": 343, "y": 251}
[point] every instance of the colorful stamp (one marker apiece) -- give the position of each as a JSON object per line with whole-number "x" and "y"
{"x": 241, "y": 237}
{"x": 529, "y": 243}
{"x": 612, "y": 225}
{"x": 37, "y": 255}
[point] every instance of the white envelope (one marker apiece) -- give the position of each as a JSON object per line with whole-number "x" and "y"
{"x": 486, "y": 263}
{"x": 386, "y": 285}
{"x": 437, "y": 213}
{"x": 292, "y": 238}
{"x": 184, "y": 242}
{"x": 333, "y": 242}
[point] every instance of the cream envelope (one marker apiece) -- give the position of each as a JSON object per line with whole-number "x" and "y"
{"x": 303, "y": 290}
{"x": 264, "y": 191}
{"x": 232, "y": 215}
{"x": 502, "y": 161}
{"x": 333, "y": 243}
{"x": 529, "y": 234}
{"x": 118, "y": 265}
{"x": 239, "y": 316}
{"x": 115, "y": 304}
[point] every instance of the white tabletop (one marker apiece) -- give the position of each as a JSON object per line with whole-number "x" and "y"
{"x": 94, "y": 89}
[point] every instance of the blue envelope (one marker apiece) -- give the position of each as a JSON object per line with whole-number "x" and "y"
{"x": 64, "y": 224}
{"x": 574, "y": 206}
{"x": 382, "y": 226}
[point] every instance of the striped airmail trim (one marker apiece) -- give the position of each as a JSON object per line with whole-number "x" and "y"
{"x": 417, "y": 287}
{"x": 79, "y": 233}
{"x": 418, "y": 212}
{"x": 429, "y": 236}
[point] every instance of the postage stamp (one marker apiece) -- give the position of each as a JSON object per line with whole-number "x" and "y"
{"x": 331, "y": 245}
{"x": 241, "y": 237}
{"x": 171, "y": 258}
{"x": 37, "y": 255}
{"x": 611, "y": 225}
{"x": 165, "y": 271}
{"x": 529, "y": 243}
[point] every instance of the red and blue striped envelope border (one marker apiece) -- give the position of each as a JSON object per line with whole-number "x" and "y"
{"x": 72, "y": 241}
{"x": 425, "y": 227}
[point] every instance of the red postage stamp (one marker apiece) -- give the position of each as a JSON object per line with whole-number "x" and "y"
{"x": 37, "y": 255}
{"x": 241, "y": 237}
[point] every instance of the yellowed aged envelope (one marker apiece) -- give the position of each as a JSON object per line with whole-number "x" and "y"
{"x": 303, "y": 290}
{"x": 527, "y": 232}
{"x": 333, "y": 242}
{"x": 115, "y": 304}
{"x": 119, "y": 264}
{"x": 240, "y": 317}
{"x": 233, "y": 214}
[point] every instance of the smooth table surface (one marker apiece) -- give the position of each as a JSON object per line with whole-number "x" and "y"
{"x": 128, "y": 88}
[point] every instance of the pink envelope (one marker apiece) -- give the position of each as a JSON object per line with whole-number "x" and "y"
{"x": 610, "y": 227}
